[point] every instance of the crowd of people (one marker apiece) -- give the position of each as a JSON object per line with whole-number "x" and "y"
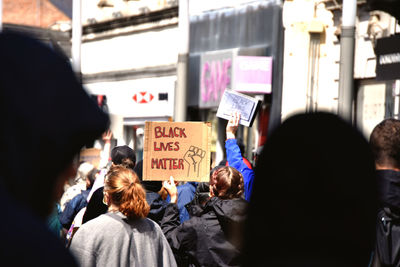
{"x": 319, "y": 193}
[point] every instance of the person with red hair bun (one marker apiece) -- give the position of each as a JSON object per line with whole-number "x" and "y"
{"x": 123, "y": 236}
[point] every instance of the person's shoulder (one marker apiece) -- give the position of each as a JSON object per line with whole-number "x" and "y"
{"x": 78, "y": 196}
{"x": 148, "y": 222}
{"x": 101, "y": 227}
{"x": 75, "y": 189}
{"x": 148, "y": 225}
{"x": 97, "y": 224}
{"x": 70, "y": 193}
{"x": 235, "y": 203}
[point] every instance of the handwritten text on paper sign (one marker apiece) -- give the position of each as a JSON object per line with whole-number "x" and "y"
{"x": 180, "y": 149}
{"x": 168, "y": 163}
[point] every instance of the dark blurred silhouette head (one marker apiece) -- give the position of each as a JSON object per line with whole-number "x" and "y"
{"x": 314, "y": 197}
{"x": 385, "y": 144}
{"x": 46, "y": 119}
{"x": 123, "y": 155}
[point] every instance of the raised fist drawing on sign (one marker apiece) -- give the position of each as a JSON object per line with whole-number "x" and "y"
{"x": 193, "y": 157}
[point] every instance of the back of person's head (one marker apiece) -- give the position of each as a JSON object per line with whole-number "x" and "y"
{"x": 226, "y": 183}
{"x": 125, "y": 191}
{"x": 314, "y": 197}
{"x": 47, "y": 117}
{"x": 152, "y": 186}
{"x": 385, "y": 143}
{"x": 83, "y": 170}
{"x": 91, "y": 177}
{"x": 123, "y": 155}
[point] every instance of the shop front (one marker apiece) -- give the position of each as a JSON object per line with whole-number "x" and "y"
{"x": 236, "y": 49}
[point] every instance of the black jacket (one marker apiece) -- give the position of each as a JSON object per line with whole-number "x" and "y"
{"x": 211, "y": 236}
{"x": 388, "y": 219}
{"x": 95, "y": 206}
{"x": 157, "y": 206}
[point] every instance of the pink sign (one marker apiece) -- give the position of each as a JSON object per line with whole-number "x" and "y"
{"x": 215, "y": 77}
{"x": 252, "y": 74}
{"x": 214, "y": 80}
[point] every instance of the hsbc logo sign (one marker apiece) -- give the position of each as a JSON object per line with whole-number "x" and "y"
{"x": 143, "y": 97}
{"x": 137, "y": 99}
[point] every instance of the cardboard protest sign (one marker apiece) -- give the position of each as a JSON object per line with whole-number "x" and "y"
{"x": 180, "y": 149}
{"x": 233, "y": 101}
{"x": 90, "y": 155}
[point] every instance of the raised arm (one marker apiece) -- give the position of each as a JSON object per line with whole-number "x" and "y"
{"x": 234, "y": 156}
{"x": 105, "y": 154}
{"x": 179, "y": 236}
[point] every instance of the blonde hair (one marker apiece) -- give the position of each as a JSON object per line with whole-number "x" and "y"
{"x": 227, "y": 183}
{"x": 125, "y": 191}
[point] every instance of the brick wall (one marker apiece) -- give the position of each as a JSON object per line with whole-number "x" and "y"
{"x": 38, "y": 13}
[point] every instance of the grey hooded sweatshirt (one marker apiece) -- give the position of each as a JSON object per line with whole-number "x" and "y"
{"x": 113, "y": 240}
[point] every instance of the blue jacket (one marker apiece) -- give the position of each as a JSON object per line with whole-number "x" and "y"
{"x": 235, "y": 160}
{"x": 72, "y": 208}
{"x": 185, "y": 195}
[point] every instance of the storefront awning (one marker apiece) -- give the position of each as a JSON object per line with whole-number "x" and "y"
{"x": 388, "y": 58}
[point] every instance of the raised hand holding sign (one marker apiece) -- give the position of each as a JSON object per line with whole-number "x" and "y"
{"x": 233, "y": 125}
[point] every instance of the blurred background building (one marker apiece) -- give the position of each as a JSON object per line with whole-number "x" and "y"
{"x": 39, "y": 18}
{"x": 312, "y": 56}
{"x": 129, "y": 55}
{"x": 219, "y": 38}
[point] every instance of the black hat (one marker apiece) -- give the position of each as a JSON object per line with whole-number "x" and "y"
{"x": 122, "y": 152}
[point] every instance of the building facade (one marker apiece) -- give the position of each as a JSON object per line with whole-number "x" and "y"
{"x": 129, "y": 59}
{"x": 40, "y": 19}
{"x": 130, "y": 54}
{"x": 312, "y": 58}
{"x": 221, "y": 37}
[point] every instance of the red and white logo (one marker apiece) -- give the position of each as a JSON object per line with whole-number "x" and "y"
{"x": 143, "y": 97}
